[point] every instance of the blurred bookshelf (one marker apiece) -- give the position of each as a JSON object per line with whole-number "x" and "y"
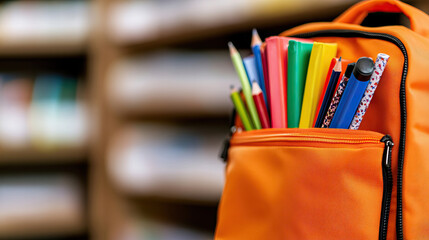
{"x": 44, "y": 119}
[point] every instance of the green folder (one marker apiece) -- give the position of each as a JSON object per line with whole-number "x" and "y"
{"x": 298, "y": 58}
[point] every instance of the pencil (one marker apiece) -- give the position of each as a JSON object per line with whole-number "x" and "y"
{"x": 330, "y": 90}
{"x": 256, "y": 49}
{"x": 258, "y": 98}
{"x": 247, "y": 91}
{"x": 241, "y": 109}
{"x": 337, "y": 97}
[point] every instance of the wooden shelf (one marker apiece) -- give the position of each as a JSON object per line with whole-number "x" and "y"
{"x": 289, "y": 14}
{"x": 43, "y": 49}
{"x": 30, "y": 156}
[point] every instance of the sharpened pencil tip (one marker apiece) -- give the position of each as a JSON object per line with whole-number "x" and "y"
{"x": 255, "y": 87}
{"x": 232, "y": 48}
{"x": 255, "y": 38}
{"x": 338, "y": 66}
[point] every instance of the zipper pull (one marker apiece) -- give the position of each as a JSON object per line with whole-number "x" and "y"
{"x": 388, "y": 144}
{"x": 226, "y": 143}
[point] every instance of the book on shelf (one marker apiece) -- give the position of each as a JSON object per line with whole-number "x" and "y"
{"x": 42, "y": 112}
{"x": 168, "y": 160}
{"x": 171, "y": 83}
{"x": 41, "y": 205}
{"x": 35, "y": 22}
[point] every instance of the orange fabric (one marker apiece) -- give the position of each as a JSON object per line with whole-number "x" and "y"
{"x": 355, "y": 15}
{"x": 272, "y": 185}
{"x": 263, "y": 182}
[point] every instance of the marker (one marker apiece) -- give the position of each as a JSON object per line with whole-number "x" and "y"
{"x": 352, "y": 96}
{"x": 380, "y": 65}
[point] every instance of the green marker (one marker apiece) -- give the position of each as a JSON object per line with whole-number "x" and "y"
{"x": 241, "y": 109}
{"x": 247, "y": 91}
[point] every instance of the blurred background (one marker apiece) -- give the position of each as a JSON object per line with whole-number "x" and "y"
{"x": 113, "y": 112}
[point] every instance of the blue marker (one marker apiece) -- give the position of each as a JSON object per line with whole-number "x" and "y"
{"x": 353, "y": 93}
{"x": 256, "y": 49}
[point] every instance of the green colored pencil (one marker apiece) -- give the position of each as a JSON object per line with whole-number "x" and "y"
{"x": 247, "y": 91}
{"x": 241, "y": 109}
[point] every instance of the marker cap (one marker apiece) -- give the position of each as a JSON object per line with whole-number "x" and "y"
{"x": 349, "y": 70}
{"x": 363, "y": 69}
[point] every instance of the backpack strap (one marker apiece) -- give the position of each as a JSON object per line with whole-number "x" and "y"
{"x": 419, "y": 21}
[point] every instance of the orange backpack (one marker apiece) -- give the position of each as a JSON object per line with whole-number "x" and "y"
{"x": 335, "y": 183}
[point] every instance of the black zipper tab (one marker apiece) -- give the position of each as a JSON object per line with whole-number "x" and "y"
{"x": 387, "y": 186}
{"x": 226, "y": 143}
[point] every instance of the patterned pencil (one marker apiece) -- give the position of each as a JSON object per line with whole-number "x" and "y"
{"x": 337, "y": 97}
{"x": 380, "y": 65}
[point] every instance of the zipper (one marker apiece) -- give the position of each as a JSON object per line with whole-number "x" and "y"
{"x": 387, "y": 186}
{"x": 322, "y": 136}
{"x": 402, "y": 98}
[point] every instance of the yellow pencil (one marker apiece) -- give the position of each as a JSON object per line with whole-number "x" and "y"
{"x": 247, "y": 91}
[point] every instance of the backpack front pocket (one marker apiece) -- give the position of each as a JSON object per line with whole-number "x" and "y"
{"x": 306, "y": 184}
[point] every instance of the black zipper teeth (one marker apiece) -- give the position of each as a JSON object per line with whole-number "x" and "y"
{"x": 387, "y": 186}
{"x": 390, "y": 38}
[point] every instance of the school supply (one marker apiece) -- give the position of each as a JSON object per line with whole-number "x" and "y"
{"x": 336, "y": 71}
{"x": 241, "y": 109}
{"x": 238, "y": 64}
{"x": 344, "y": 63}
{"x": 380, "y": 65}
{"x": 320, "y": 57}
{"x": 250, "y": 67}
{"x": 353, "y": 93}
{"x": 277, "y": 72}
{"x": 298, "y": 58}
{"x": 322, "y": 94}
{"x": 256, "y": 49}
{"x": 258, "y": 98}
{"x": 336, "y": 99}
{"x": 276, "y": 60}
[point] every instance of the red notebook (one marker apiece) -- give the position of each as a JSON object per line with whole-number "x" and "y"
{"x": 344, "y": 63}
{"x": 276, "y": 54}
